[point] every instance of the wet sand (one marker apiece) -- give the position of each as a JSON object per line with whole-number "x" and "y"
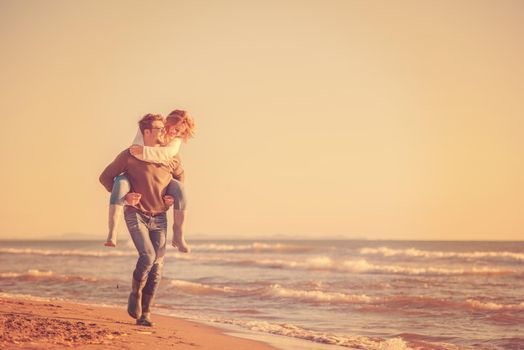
{"x": 30, "y": 324}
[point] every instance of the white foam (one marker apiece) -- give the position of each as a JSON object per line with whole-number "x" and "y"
{"x": 29, "y": 273}
{"x": 412, "y": 252}
{"x": 317, "y": 296}
{"x": 46, "y": 275}
{"x": 72, "y": 252}
{"x": 363, "y": 266}
{"x": 313, "y": 263}
{"x": 325, "y": 263}
{"x": 273, "y": 291}
{"x": 27, "y": 296}
{"x": 252, "y": 247}
{"x": 429, "y": 303}
{"x": 299, "y": 333}
{"x": 290, "y": 330}
{"x": 359, "y": 266}
{"x": 489, "y": 306}
{"x": 199, "y": 288}
{"x": 277, "y": 291}
{"x": 393, "y": 344}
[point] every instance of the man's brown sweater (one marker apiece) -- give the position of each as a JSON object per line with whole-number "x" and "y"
{"x": 148, "y": 179}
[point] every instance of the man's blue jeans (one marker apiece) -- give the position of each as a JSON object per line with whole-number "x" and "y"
{"x": 149, "y": 236}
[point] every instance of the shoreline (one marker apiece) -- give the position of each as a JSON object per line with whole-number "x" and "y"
{"x": 56, "y": 324}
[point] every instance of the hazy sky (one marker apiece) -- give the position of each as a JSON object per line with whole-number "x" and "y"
{"x": 356, "y": 119}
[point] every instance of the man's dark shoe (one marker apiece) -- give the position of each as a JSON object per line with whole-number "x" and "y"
{"x": 147, "y": 302}
{"x": 134, "y": 303}
{"x": 144, "y": 321}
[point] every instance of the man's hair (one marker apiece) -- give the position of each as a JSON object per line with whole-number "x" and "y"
{"x": 183, "y": 119}
{"x": 147, "y": 121}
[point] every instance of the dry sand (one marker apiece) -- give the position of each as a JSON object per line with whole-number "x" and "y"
{"x": 29, "y": 324}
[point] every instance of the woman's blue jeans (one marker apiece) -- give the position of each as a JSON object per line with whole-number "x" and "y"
{"x": 121, "y": 187}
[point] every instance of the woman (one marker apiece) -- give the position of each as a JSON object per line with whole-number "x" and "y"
{"x": 179, "y": 127}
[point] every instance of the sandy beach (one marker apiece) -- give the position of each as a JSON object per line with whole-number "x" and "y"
{"x": 30, "y": 324}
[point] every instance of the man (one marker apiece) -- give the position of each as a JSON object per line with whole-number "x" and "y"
{"x": 145, "y": 214}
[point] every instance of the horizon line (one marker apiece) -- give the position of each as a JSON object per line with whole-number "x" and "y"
{"x": 274, "y": 239}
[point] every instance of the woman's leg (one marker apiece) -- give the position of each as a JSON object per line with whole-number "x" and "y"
{"x": 121, "y": 187}
{"x": 176, "y": 190}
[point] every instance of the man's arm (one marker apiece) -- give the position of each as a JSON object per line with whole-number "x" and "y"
{"x": 117, "y": 167}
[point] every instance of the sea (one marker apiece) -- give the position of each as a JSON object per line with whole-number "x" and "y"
{"x": 302, "y": 294}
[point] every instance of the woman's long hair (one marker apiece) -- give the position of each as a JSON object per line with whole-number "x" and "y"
{"x": 183, "y": 122}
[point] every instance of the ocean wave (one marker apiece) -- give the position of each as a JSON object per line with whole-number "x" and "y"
{"x": 353, "y": 342}
{"x": 489, "y": 306}
{"x": 290, "y": 330}
{"x": 201, "y": 289}
{"x": 272, "y": 291}
{"x": 364, "y": 266}
{"x": 65, "y": 252}
{"x": 29, "y": 273}
{"x": 358, "y": 266}
{"x": 298, "y": 332}
{"x": 316, "y": 296}
{"x": 27, "y": 296}
{"x": 34, "y": 274}
{"x": 256, "y": 247}
{"x": 129, "y": 249}
{"x": 324, "y": 297}
{"x": 432, "y": 303}
{"x": 324, "y": 263}
{"x": 412, "y": 252}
